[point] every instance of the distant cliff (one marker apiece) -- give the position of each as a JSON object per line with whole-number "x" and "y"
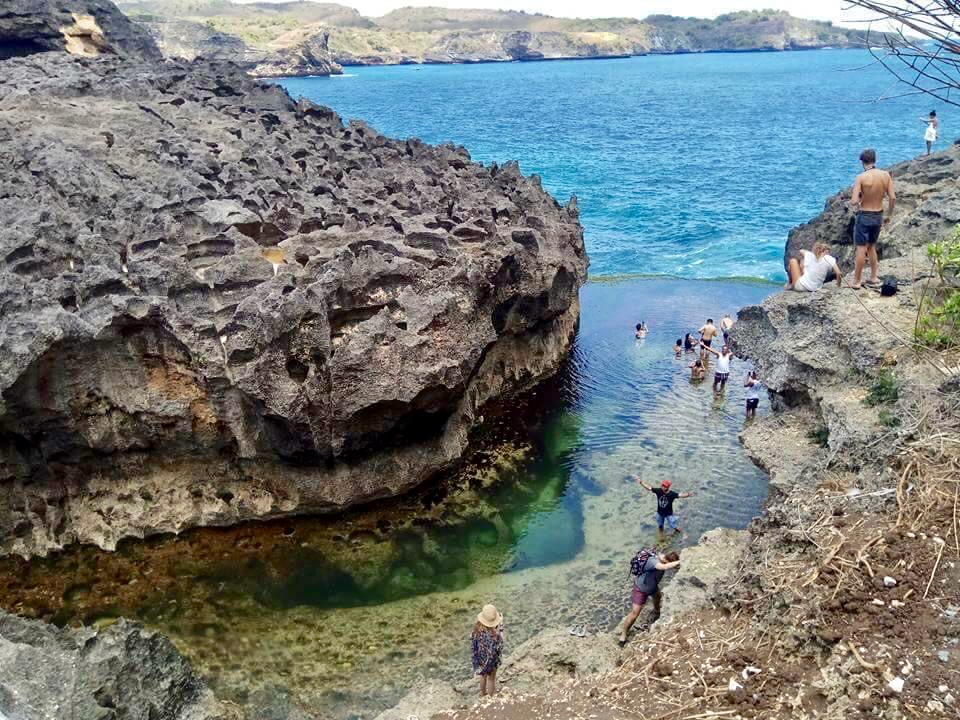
{"x": 441, "y": 35}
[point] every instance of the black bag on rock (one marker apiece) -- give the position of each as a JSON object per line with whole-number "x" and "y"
{"x": 889, "y": 286}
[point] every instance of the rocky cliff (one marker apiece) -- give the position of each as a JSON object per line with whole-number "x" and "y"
{"x": 219, "y": 304}
{"x": 306, "y": 54}
{"x": 445, "y": 35}
{"x": 79, "y": 27}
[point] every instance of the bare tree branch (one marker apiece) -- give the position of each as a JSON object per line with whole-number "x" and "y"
{"x": 924, "y": 49}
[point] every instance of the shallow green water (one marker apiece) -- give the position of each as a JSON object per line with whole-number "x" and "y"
{"x": 342, "y": 615}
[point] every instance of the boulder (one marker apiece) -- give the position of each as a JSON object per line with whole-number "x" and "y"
{"x": 709, "y": 565}
{"x": 80, "y": 27}
{"x": 120, "y": 671}
{"x": 220, "y": 304}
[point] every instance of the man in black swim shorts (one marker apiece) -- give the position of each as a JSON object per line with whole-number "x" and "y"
{"x": 869, "y": 190}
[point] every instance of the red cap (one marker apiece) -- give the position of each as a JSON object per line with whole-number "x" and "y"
{"x": 665, "y": 484}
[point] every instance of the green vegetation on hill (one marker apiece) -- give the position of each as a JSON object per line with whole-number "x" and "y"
{"x": 434, "y": 34}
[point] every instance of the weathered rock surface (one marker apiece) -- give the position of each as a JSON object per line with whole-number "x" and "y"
{"x": 80, "y": 27}
{"x": 47, "y": 673}
{"x": 709, "y": 565}
{"x": 819, "y": 353}
{"x": 188, "y": 40}
{"x": 928, "y": 204}
{"x": 219, "y": 304}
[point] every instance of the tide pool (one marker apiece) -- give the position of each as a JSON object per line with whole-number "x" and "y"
{"x": 688, "y": 165}
{"x": 341, "y": 615}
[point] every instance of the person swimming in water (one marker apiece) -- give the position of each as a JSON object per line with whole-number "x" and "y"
{"x": 678, "y": 348}
{"x": 688, "y": 343}
{"x": 697, "y": 371}
{"x": 641, "y": 330}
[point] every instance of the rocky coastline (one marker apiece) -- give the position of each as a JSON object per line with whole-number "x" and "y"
{"x": 292, "y": 39}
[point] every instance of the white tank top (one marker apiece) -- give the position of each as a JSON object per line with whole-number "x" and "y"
{"x": 723, "y": 363}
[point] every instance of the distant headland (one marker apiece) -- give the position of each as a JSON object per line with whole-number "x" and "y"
{"x": 308, "y": 38}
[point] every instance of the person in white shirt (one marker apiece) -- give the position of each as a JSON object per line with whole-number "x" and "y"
{"x": 809, "y": 270}
{"x": 722, "y": 372}
{"x": 752, "y": 385}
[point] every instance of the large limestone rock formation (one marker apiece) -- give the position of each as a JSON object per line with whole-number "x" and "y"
{"x": 220, "y": 304}
{"x": 121, "y": 671}
{"x": 81, "y": 27}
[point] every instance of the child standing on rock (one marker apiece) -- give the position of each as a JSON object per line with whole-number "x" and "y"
{"x": 486, "y": 643}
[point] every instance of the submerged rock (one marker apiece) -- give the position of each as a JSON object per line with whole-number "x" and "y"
{"x": 120, "y": 671}
{"x": 220, "y": 304}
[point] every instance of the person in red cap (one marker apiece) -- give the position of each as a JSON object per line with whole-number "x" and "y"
{"x": 665, "y": 498}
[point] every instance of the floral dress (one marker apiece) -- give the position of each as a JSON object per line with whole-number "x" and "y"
{"x": 487, "y": 647}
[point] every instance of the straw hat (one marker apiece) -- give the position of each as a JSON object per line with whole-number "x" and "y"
{"x": 490, "y": 617}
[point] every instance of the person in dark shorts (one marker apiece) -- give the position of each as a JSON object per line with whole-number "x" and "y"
{"x": 646, "y": 585}
{"x": 665, "y": 498}
{"x": 752, "y": 385}
{"x": 869, "y": 190}
{"x": 707, "y": 333}
{"x": 722, "y": 373}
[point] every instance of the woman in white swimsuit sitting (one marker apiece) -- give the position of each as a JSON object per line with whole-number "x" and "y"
{"x": 933, "y": 129}
{"x": 809, "y": 270}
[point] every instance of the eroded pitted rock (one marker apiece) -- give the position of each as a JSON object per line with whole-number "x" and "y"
{"x": 220, "y": 304}
{"x": 80, "y": 27}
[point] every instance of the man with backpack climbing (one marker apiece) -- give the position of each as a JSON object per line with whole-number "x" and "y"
{"x": 647, "y": 568}
{"x": 665, "y": 498}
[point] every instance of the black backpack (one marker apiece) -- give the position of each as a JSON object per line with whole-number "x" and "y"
{"x": 889, "y": 286}
{"x": 639, "y": 561}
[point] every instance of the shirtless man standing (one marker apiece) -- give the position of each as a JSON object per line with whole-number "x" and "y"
{"x": 871, "y": 186}
{"x": 707, "y": 333}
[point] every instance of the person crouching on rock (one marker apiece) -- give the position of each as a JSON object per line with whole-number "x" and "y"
{"x": 646, "y": 584}
{"x": 486, "y": 642}
{"x": 809, "y": 270}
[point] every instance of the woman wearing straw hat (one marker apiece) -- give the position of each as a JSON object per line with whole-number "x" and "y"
{"x": 486, "y": 642}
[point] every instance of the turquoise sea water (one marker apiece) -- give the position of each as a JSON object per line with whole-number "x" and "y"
{"x": 689, "y": 165}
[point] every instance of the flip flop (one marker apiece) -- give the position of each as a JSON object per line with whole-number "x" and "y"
{"x": 621, "y": 641}
{"x": 872, "y": 283}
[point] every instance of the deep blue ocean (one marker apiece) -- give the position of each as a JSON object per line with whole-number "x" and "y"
{"x": 684, "y": 165}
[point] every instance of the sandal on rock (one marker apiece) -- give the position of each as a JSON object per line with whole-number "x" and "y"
{"x": 872, "y": 283}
